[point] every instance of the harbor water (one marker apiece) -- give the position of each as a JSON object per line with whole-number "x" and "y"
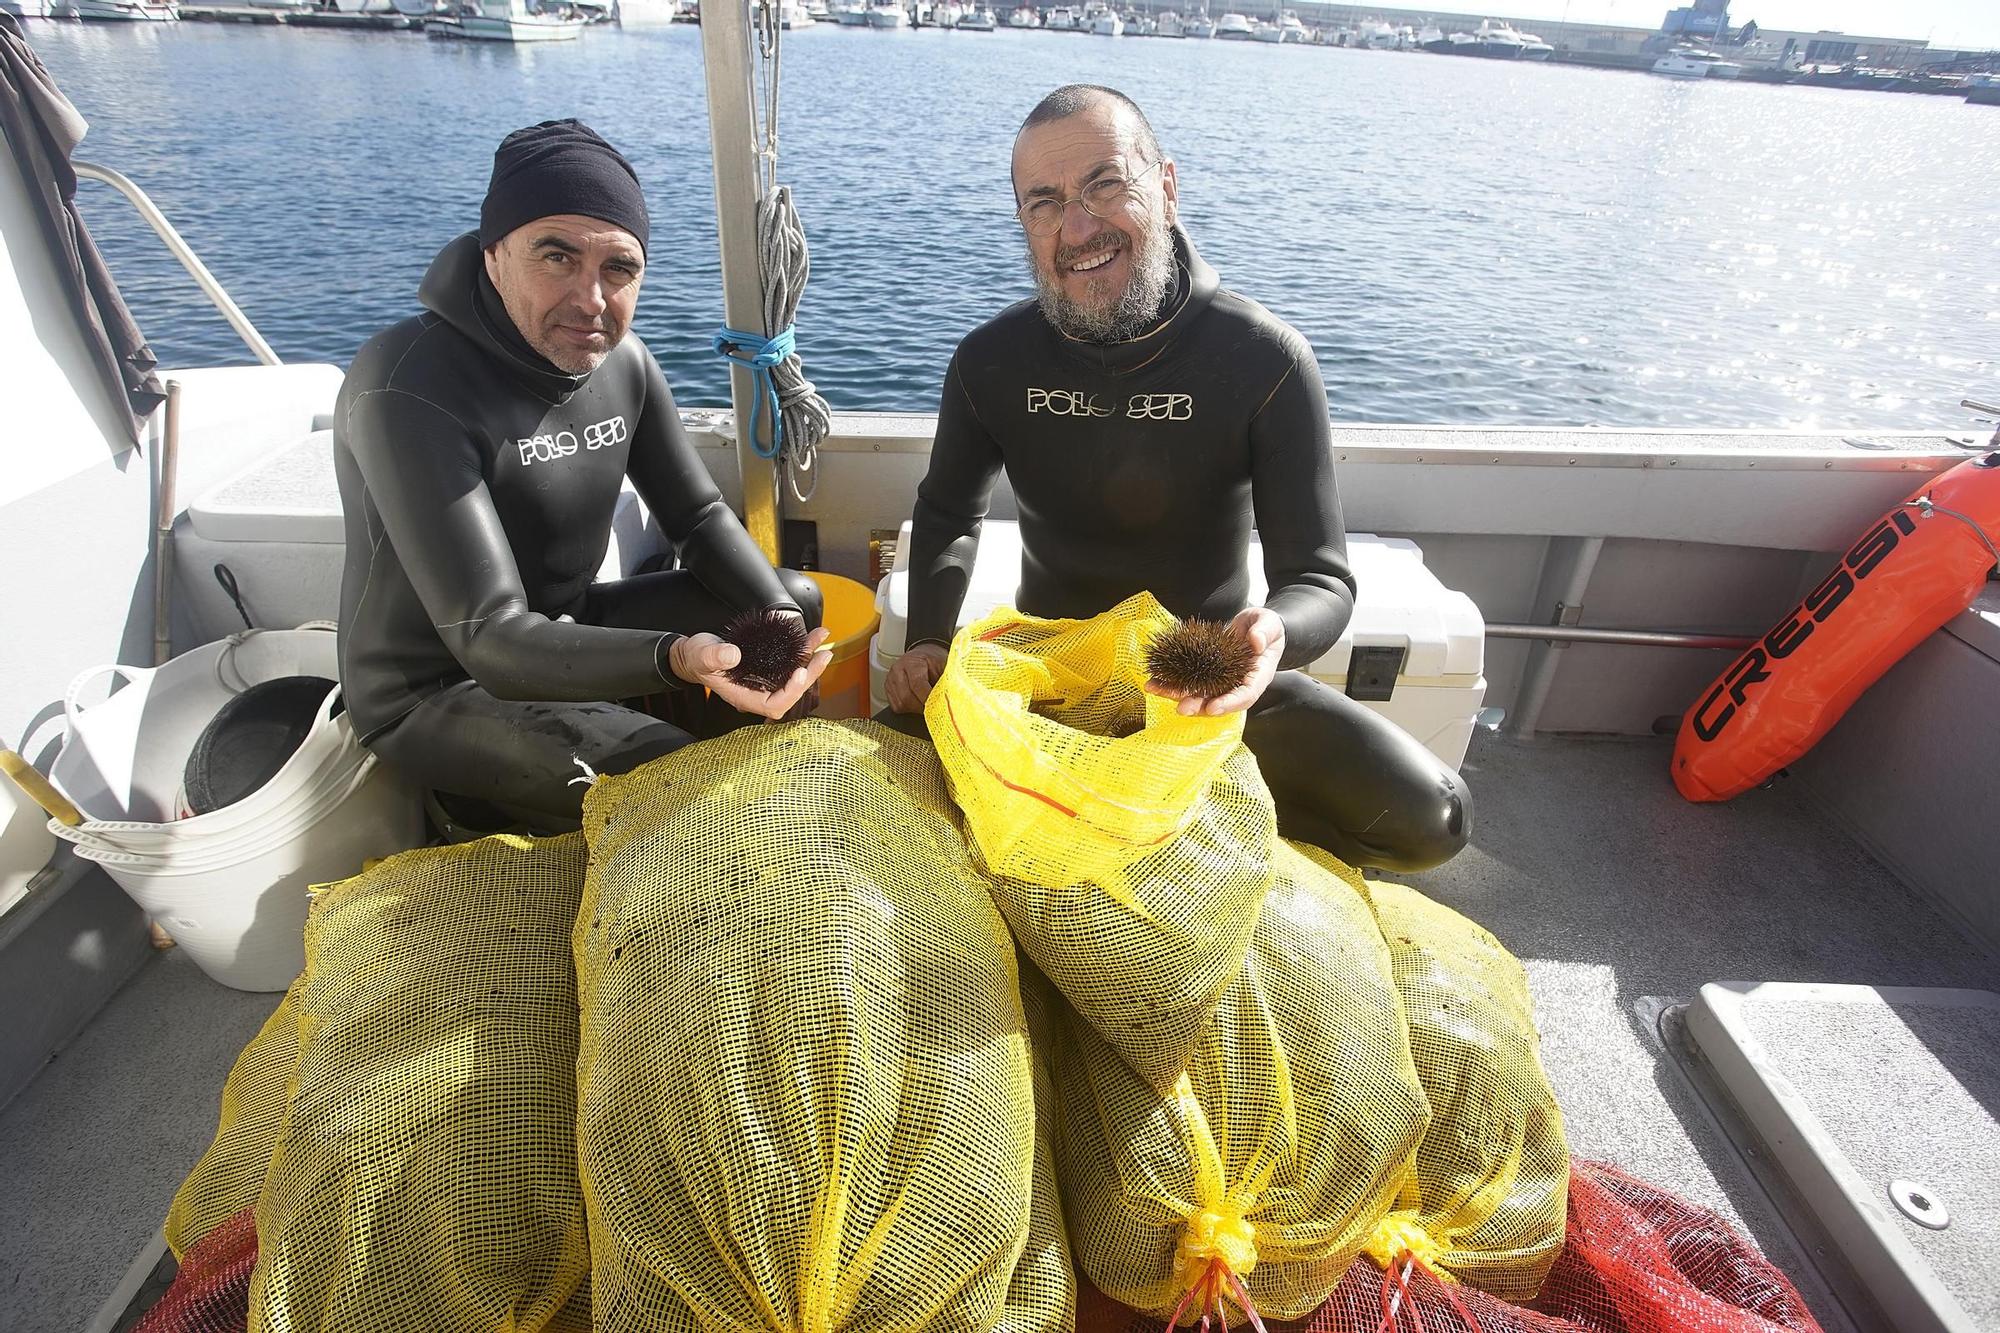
{"x": 1463, "y": 241}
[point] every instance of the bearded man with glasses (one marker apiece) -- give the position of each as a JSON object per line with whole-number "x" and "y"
{"x": 1145, "y": 418}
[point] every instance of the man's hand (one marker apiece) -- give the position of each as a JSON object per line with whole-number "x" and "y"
{"x": 704, "y": 659}
{"x": 911, "y": 678}
{"x": 1265, "y": 634}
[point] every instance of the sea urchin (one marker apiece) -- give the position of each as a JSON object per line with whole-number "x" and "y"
{"x": 1201, "y": 659}
{"x": 773, "y": 644}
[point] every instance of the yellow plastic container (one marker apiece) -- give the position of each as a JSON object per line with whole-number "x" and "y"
{"x": 851, "y": 615}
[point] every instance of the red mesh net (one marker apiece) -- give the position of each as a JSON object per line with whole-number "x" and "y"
{"x": 211, "y": 1294}
{"x": 1635, "y": 1260}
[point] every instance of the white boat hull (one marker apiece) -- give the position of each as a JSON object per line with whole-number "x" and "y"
{"x": 124, "y": 11}
{"x": 645, "y": 13}
{"x": 888, "y": 19}
{"x": 531, "y": 28}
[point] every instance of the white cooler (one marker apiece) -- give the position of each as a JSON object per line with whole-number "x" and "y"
{"x": 1415, "y": 651}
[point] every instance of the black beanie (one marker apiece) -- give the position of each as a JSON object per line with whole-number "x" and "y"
{"x": 560, "y": 166}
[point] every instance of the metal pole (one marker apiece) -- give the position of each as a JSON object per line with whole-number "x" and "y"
{"x": 163, "y": 529}
{"x": 1651, "y": 638}
{"x": 184, "y": 252}
{"x": 727, "y": 68}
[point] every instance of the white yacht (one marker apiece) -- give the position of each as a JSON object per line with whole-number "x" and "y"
{"x": 1499, "y": 40}
{"x": 1376, "y": 35}
{"x": 1062, "y": 19}
{"x": 978, "y": 20}
{"x": 126, "y": 11}
{"x": 792, "y": 15}
{"x": 1234, "y": 28}
{"x": 1534, "y": 48}
{"x": 852, "y": 15}
{"x": 1169, "y": 25}
{"x": 1105, "y": 22}
{"x": 1286, "y": 29}
{"x": 1694, "y": 62}
{"x": 1024, "y": 17}
{"x": 888, "y": 16}
{"x": 1199, "y": 26}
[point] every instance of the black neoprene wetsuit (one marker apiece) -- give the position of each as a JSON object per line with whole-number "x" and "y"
{"x": 1143, "y": 465}
{"x": 479, "y": 483}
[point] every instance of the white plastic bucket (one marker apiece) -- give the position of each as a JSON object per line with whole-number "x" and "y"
{"x": 122, "y": 760}
{"x": 327, "y": 758}
{"x": 242, "y": 918}
{"x": 230, "y": 885}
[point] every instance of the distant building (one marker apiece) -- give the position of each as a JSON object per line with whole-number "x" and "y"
{"x": 1705, "y": 19}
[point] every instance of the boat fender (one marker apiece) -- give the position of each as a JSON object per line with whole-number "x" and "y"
{"x": 1918, "y": 566}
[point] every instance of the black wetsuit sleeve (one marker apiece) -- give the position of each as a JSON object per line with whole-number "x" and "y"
{"x": 1298, "y": 513}
{"x": 707, "y": 536}
{"x": 424, "y": 476}
{"x": 951, "y": 505}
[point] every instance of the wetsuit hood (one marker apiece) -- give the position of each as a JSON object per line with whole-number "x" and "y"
{"x": 457, "y": 290}
{"x": 1195, "y": 285}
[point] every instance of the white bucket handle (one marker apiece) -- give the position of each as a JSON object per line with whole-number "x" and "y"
{"x": 133, "y": 676}
{"x": 225, "y": 659}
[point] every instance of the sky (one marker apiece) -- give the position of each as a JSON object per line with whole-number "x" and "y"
{"x": 1946, "y": 23}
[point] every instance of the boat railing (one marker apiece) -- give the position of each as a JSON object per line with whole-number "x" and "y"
{"x": 181, "y": 250}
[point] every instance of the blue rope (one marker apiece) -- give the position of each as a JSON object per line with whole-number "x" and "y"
{"x": 761, "y": 356}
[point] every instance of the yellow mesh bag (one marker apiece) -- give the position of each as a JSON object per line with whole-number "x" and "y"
{"x": 426, "y": 1173}
{"x": 1490, "y": 1193}
{"x": 807, "y": 1101}
{"x": 1258, "y": 1178}
{"x": 1128, "y": 846}
{"x": 230, "y": 1174}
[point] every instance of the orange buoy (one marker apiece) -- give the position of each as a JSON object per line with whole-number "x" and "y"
{"x": 1916, "y": 568}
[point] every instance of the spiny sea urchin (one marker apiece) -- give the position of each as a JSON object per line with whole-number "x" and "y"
{"x": 1199, "y": 658}
{"x": 773, "y": 644}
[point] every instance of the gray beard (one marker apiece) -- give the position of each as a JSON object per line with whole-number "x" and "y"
{"x": 1135, "y": 311}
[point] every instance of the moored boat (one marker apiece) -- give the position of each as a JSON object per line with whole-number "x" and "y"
{"x": 1693, "y": 62}
{"x": 126, "y": 11}
{"x": 1234, "y": 28}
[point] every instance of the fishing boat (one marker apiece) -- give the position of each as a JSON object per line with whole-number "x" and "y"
{"x": 1694, "y": 62}
{"x": 1781, "y": 1007}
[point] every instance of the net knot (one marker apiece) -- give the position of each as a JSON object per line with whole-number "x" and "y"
{"x": 1211, "y": 1235}
{"x": 1399, "y": 1234}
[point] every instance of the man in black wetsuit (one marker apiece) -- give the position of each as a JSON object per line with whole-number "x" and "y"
{"x": 480, "y": 448}
{"x": 1144, "y": 416}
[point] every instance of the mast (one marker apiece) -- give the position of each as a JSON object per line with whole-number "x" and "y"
{"x": 726, "y": 68}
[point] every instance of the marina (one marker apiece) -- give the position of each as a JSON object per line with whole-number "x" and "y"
{"x": 1623, "y": 372}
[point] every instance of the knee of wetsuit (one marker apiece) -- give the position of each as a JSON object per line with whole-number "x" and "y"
{"x": 1438, "y": 829}
{"x": 806, "y": 593}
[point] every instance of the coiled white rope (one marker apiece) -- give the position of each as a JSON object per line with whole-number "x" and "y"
{"x": 785, "y": 264}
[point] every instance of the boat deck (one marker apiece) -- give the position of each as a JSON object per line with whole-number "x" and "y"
{"x": 1615, "y": 893}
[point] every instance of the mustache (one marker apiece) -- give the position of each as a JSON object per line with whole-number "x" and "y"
{"x": 1109, "y": 238}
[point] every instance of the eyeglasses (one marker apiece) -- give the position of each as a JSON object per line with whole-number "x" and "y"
{"x": 1044, "y": 217}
